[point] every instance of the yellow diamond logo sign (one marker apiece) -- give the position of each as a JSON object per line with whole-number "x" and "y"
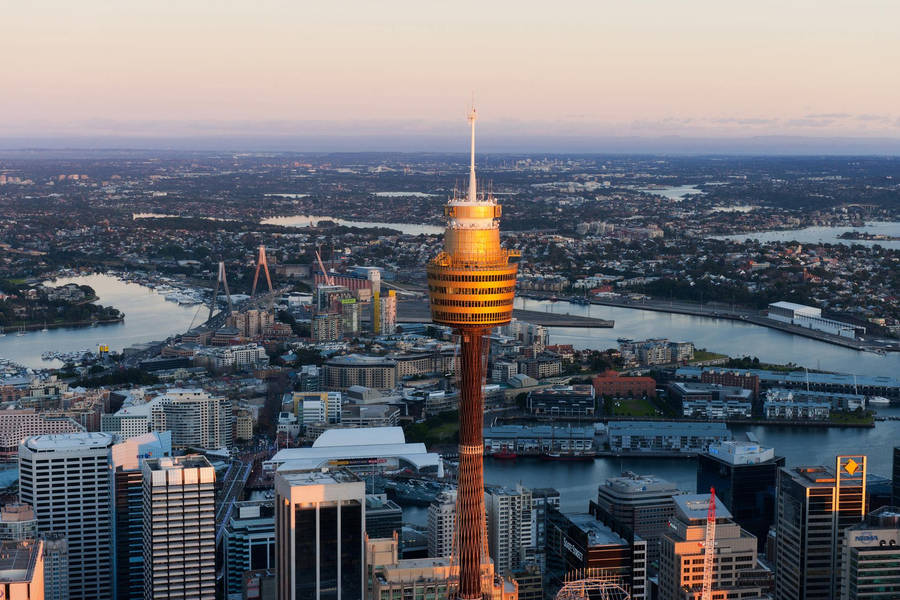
{"x": 851, "y": 466}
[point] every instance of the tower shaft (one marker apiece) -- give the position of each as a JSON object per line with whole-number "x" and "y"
{"x": 470, "y": 493}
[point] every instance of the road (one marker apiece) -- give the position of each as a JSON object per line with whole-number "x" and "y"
{"x": 230, "y": 492}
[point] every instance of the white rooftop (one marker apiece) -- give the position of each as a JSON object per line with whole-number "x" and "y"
{"x": 360, "y": 437}
{"x": 69, "y": 441}
{"x": 794, "y": 306}
{"x": 356, "y": 443}
{"x": 741, "y": 453}
{"x": 694, "y": 507}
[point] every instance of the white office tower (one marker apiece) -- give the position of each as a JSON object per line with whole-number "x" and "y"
{"x": 66, "y": 478}
{"x": 442, "y": 524}
{"x": 510, "y": 539}
{"x": 179, "y": 528}
{"x": 195, "y": 418}
{"x": 320, "y": 523}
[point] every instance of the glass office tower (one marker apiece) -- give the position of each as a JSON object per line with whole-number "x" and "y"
{"x": 745, "y": 476}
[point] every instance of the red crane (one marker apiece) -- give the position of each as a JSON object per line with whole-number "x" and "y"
{"x": 709, "y": 547}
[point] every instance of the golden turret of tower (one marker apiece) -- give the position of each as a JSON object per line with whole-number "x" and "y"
{"x": 472, "y": 282}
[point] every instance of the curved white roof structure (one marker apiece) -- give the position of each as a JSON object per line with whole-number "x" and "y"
{"x": 359, "y": 447}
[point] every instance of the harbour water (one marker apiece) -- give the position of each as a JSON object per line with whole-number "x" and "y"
{"x": 148, "y": 317}
{"x": 826, "y": 235}
{"x": 577, "y": 481}
{"x": 734, "y": 338}
{"x": 311, "y": 220}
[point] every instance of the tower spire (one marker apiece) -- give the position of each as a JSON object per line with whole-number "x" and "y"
{"x": 472, "y": 188}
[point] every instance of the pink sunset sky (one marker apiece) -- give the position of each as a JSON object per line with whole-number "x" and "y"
{"x": 644, "y": 68}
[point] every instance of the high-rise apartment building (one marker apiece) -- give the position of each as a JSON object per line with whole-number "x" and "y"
{"x": 18, "y": 523}
{"x": 320, "y": 524}
{"x": 21, "y": 570}
{"x": 509, "y": 528}
{"x": 871, "y": 557}
{"x": 744, "y": 475}
{"x": 350, "y": 310}
{"x": 16, "y": 425}
{"x": 128, "y": 499}
{"x": 326, "y": 327}
{"x": 195, "y": 418}
{"x": 682, "y": 553}
{"x": 642, "y": 503}
{"x": 388, "y": 312}
{"x": 249, "y": 542}
{"x": 68, "y": 481}
{"x": 179, "y": 528}
{"x": 815, "y": 506}
{"x": 442, "y": 524}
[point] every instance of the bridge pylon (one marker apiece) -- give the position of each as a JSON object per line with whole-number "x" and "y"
{"x": 221, "y": 280}
{"x": 261, "y": 262}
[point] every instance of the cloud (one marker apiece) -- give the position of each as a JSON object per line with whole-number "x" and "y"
{"x": 808, "y": 122}
{"x": 816, "y": 116}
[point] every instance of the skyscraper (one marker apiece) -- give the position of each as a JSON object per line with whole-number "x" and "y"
{"x": 815, "y": 506}
{"x": 67, "y": 479}
{"x": 471, "y": 285}
{"x": 249, "y": 542}
{"x": 56, "y": 567}
{"x": 128, "y": 496}
{"x": 871, "y": 557}
{"x": 681, "y": 551}
{"x": 179, "y": 528}
{"x": 641, "y": 503}
{"x": 509, "y": 520}
{"x": 320, "y": 526}
{"x": 195, "y": 418}
{"x": 442, "y": 524}
{"x": 744, "y": 475}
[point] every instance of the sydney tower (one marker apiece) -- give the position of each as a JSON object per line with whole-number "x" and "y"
{"x": 471, "y": 285}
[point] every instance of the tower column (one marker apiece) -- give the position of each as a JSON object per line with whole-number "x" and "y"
{"x": 470, "y": 495}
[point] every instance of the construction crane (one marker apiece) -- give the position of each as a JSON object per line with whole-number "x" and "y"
{"x": 709, "y": 547}
{"x": 329, "y": 280}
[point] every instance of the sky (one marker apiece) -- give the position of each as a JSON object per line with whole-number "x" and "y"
{"x": 579, "y": 74}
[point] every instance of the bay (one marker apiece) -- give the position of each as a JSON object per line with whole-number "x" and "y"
{"x": 825, "y": 235}
{"x": 311, "y": 220}
{"x": 735, "y": 338}
{"x": 148, "y": 317}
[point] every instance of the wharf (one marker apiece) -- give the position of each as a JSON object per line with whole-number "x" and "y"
{"x": 418, "y": 311}
{"x": 724, "y": 311}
